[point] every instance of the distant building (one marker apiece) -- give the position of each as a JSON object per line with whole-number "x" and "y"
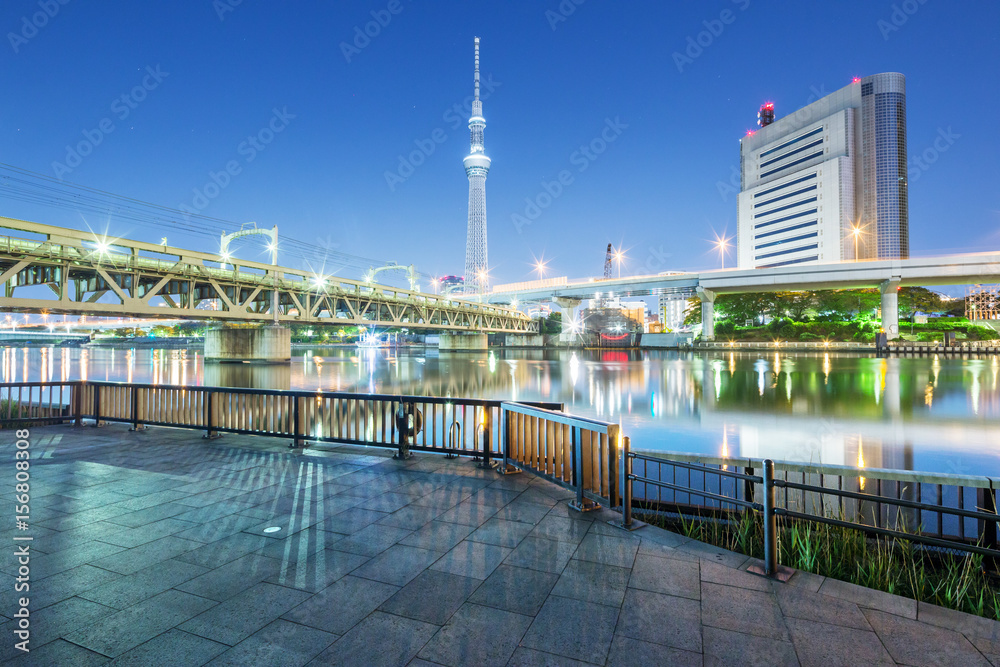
{"x": 672, "y": 312}
{"x": 828, "y": 182}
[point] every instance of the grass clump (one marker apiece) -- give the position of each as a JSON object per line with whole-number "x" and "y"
{"x": 894, "y": 565}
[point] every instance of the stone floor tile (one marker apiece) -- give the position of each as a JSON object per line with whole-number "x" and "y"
{"x": 661, "y": 619}
{"x": 968, "y": 624}
{"x": 989, "y": 648}
{"x": 150, "y": 514}
{"x": 132, "y": 589}
{"x": 69, "y": 558}
{"x": 573, "y": 629}
{"x": 742, "y": 610}
{"x": 380, "y": 640}
{"x": 438, "y": 536}
{"x": 432, "y": 596}
{"x": 593, "y": 582}
{"x": 66, "y": 584}
{"x": 822, "y": 645}
{"x": 523, "y": 511}
{"x": 477, "y": 635}
{"x": 870, "y": 598}
{"x": 715, "y": 573}
{"x": 146, "y": 555}
{"x": 411, "y": 517}
{"x": 215, "y": 529}
{"x": 516, "y": 589}
{"x": 351, "y": 520}
{"x": 708, "y": 552}
{"x": 529, "y": 657}
{"x": 608, "y": 550}
{"x": 469, "y": 513}
{"x": 665, "y": 575}
{"x": 126, "y": 629}
{"x": 300, "y": 546}
{"x": 318, "y": 570}
{"x": 501, "y": 532}
{"x": 443, "y": 498}
{"x": 389, "y": 502}
{"x": 398, "y": 565}
{"x": 133, "y": 537}
{"x": 237, "y": 618}
{"x": 372, "y": 539}
{"x": 51, "y": 623}
{"x": 541, "y": 554}
{"x": 914, "y": 643}
{"x": 174, "y": 647}
{"x": 278, "y": 644}
{"x": 798, "y": 602}
{"x": 222, "y": 551}
{"x": 725, "y": 647}
{"x": 59, "y": 652}
{"x": 232, "y": 578}
{"x": 561, "y": 529}
{"x": 626, "y": 652}
{"x": 472, "y": 559}
{"x": 353, "y": 599}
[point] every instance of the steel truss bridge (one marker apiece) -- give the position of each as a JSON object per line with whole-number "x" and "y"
{"x": 48, "y": 269}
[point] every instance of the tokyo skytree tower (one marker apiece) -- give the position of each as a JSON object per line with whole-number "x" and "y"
{"x": 477, "y": 166}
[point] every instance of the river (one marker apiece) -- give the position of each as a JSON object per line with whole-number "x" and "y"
{"x": 932, "y": 414}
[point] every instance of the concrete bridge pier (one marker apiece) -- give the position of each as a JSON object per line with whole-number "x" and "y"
{"x": 707, "y": 313}
{"x": 570, "y": 327}
{"x": 890, "y": 307}
{"x": 268, "y": 344}
{"x": 462, "y": 342}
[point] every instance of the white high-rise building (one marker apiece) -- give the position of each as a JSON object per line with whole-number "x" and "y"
{"x": 828, "y": 182}
{"x": 477, "y": 166}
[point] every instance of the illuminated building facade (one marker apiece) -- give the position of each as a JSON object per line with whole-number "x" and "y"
{"x": 828, "y": 182}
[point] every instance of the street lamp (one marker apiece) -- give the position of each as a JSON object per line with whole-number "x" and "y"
{"x": 540, "y": 267}
{"x": 619, "y": 257}
{"x": 722, "y": 245}
{"x": 856, "y": 232}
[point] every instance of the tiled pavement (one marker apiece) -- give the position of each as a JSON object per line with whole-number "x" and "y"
{"x": 152, "y": 548}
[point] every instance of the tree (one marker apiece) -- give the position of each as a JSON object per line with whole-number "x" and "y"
{"x": 743, "y": 307}
{"x": 793, "y": 304}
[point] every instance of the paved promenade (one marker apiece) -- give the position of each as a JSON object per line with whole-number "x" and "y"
{"x": 157, "y": 548}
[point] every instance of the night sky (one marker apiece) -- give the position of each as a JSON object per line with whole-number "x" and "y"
{"x": 358, "y": 139}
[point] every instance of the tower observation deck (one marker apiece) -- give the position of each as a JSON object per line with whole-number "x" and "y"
{"x": 477, "y": 166}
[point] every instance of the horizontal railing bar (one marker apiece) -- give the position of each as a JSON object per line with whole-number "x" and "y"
{"x": 701, "y": 494}
{"x": 701, "y": 468}
{"x": 526, "y": 408}
{"x": 888, "y": 500}
{"x": 932, "y": 541}
{"x": 976, "y": 481}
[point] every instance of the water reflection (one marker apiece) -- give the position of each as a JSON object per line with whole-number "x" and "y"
{"x": 937, "y": 414}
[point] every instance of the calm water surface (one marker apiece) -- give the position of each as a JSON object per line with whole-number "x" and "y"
{"x": 930, "y": 414}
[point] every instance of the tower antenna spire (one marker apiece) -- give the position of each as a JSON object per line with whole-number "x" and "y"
{"x": 477, "y": 69}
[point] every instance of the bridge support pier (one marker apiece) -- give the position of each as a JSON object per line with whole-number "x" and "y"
{"x": 707, "y": 313}
{"x": 890, "y": 307}
{"x": 570, "y": 327}
{"x": 269, "y": 344}
{"x": 462, "y": 342}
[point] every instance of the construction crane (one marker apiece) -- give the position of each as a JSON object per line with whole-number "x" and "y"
{"x": 607, "y": 263}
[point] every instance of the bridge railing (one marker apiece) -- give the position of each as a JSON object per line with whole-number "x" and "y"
{"x": 457, "y": 426}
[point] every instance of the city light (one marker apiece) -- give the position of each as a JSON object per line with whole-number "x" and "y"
{"x": 541, "y": 266}
{"x": 619, "y": 256}
{"x": 722, "y": 244}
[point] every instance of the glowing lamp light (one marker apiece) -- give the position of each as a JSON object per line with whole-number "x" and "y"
{"x": 856, "y": 79}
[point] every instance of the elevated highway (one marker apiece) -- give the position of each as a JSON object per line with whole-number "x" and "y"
{"x": 887, "y": 275}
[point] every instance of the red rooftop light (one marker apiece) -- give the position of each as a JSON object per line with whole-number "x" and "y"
{"x": 856, "y": 79}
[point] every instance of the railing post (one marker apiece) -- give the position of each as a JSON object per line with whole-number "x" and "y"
{"x": 505, "y": 467}
{"x": 487, "y": 427}
{"x": 210, "y": 416}
{"x": 626, "y": 483}
{"x": 297, "y": 439}
{"x": 97, "y": 406}
{"x": 770, "y": 524}
{"x": 988, "y": 529}
{"x": 78, "y": 404}
{"x": 136, "y": 426}
{"x": 580, "y": 504}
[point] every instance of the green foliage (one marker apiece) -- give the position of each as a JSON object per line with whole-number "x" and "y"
{"x": 725, "y": 327}
{"x": 895, "y": 566}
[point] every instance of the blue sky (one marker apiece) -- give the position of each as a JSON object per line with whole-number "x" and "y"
{"x": 201, "y": 77}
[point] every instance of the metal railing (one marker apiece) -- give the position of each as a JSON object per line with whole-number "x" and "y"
{"x": 955, "y": 512}
{"x": 362, "y": 419}
{"x": 573, "y": 452}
